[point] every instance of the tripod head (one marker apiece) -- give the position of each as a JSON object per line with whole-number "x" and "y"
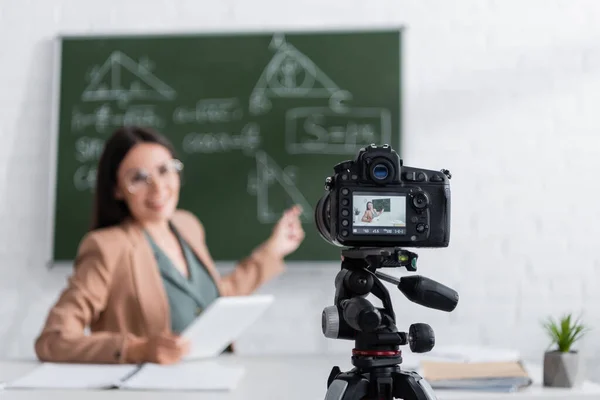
{"x": 376, "y": 352}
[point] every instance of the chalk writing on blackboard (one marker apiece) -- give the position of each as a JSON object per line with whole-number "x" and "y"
{"x": 292, "y": 74}
{"x": 105, "y": 119}
{"x": 122, "y": 79}
{"x": 320, "y": 130}
{"x": 263, "y": 183}
{"x": 84, "y": 178}
{"x": 209, "y": 111}
{"x": 247, "y": 140}
{"x": 88, "y": 149}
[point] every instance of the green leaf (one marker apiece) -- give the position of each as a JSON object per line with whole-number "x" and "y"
{"x": 564, "y": 332}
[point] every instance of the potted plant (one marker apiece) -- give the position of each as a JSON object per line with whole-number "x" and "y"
{"x": 561, "y": 361}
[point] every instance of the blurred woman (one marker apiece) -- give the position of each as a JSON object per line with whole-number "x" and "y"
{"x": 143, "y": 273}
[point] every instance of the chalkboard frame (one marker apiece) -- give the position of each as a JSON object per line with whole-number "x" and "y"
{"x": 56, "y": 98}
{"x": 53, "y": 167}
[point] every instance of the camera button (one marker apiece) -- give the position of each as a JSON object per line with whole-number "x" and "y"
{"x": 345, "y": 222}
{"x": 345, "y": 202}
{"x": 345, "y": 233}
{"x": 345, "y": 191}
{"x": 422, "y": 228}
{"x": 345, "y": 213}
{"x": 415, "y": 176}
{"x": 420, "y": 201}
{"x": 436, "y": 178}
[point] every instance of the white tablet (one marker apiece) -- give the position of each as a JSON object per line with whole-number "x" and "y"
{"x": 223, "y": 322}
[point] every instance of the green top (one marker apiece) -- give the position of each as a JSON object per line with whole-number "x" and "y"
{"x": 187, "y": 297}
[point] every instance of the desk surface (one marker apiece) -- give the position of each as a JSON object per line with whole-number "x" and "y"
{"x": 277, "y": 377}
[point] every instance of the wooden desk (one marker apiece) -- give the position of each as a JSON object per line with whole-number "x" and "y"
{"x": 276, "y": 377}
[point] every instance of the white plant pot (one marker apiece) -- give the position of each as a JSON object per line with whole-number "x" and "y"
{"x": 561, "y": 369}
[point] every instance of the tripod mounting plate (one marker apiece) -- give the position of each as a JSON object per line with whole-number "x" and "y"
{"x": 383, "y": 257}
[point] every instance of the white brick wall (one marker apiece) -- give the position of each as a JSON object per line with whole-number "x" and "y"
{"x": 503, "y": 93}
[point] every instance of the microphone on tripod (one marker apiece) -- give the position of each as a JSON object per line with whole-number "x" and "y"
{"x": 424, "y": 291}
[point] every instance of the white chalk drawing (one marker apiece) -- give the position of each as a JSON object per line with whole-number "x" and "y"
{"x": 268, "y": 174}
{"x": 104, "y": 118}
{"x": 336, "y": 101}
{"x": 320, "y": 130}
{"x": 122, "y": 79}
{"x": 247, "y": 141}
{"x": 84, "y": 178}
{"x": 88, "y": 149}
{"x": 291, "y": 74}
{"x": 209, "y": 111}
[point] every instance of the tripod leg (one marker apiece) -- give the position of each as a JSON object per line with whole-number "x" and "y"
{"x": 335, "y": 371}
{"x": 409, "y": 385}
{"x": 385, "y": 386}
{"x": 346, "y": 386}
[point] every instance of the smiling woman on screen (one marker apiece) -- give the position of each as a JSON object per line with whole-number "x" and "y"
{"x": 370, "y": 213}
{"x": 143, "y": 272}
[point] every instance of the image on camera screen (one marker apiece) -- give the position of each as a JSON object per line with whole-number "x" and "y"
{"x": 374, "y": 212}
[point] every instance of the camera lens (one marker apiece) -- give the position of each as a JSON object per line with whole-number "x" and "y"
{"x": 380, "y": 171}
{"x": 322, "y": 218}
{"x": 420, "y": 200}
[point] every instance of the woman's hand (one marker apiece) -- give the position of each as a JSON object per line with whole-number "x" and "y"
{"x": 162, "y": 349}
{"x": 287, "y": 233}
{"x": 167, "y": 349}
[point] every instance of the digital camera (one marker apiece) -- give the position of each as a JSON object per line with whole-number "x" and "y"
{"x": 375, "y": 201}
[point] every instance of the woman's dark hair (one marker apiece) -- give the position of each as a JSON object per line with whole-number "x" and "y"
{"x": 107, "y": 210}
{"x": 367, "y": 205}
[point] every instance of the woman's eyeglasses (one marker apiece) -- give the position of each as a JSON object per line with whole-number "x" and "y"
{"x": 140, "y": 179}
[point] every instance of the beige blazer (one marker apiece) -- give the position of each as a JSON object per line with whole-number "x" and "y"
{"x": 116, "y": 290}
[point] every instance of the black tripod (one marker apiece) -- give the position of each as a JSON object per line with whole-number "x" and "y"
{"x": 376, "y": 356}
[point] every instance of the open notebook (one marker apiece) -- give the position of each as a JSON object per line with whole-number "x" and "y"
{"x": 199, "y": 375}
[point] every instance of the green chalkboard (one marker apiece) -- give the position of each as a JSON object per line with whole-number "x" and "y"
{"x": 259, "y": 119}
{"x": 382, "y": 204}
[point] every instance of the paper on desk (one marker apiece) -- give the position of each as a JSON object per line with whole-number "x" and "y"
{"x": 436, "y": 370}
{"x": 463, "y": 354}
{"x": 487, "y": 376}
{"x": 195, "y": 375}
{"x": 73, "y": 376}
{"x": 222, "y": 322}
{"x": 473, "y": 354}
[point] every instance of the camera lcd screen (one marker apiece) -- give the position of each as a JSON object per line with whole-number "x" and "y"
{"x": 378, "y": 213}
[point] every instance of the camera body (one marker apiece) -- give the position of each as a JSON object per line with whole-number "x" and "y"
{"x": 376, "y": 201}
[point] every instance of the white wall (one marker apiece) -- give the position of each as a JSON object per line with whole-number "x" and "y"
{"x": 505, "y": 94}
